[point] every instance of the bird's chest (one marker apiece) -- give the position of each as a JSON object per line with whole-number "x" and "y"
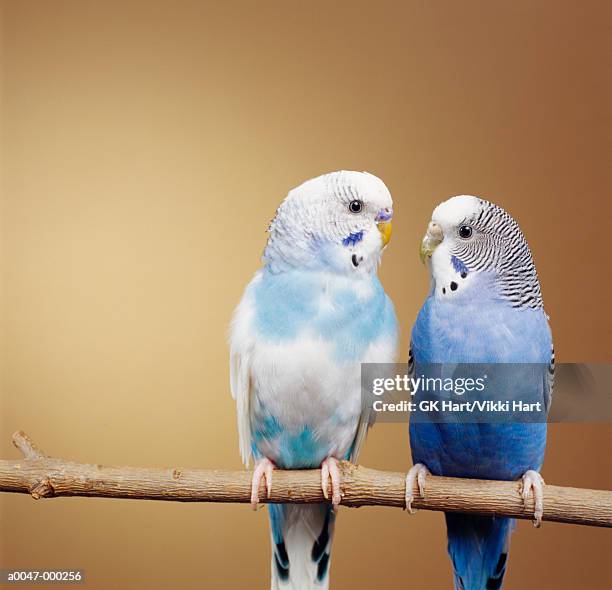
{"x": 473, "y": 332}
{"x": 304, "y": 405}
{"x": 492, "y": 334}
{"x": 345, "y": 316}
{"x": 300, "y": 383}
{"x": 309, "y": 340}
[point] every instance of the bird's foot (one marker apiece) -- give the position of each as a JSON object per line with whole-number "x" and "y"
{"x": 532, "y": 481}
{"x": 417, "y": 474}
{"x": 263, "y": 470}
{"x": 331, "y": 471}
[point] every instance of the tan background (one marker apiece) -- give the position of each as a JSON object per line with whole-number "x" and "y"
{"x": 146, "y": 146}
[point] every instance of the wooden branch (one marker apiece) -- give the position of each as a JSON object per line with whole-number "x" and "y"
{"x": 42, "y": 476}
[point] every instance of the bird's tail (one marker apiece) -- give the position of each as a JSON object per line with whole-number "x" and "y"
{"x": 478, "y": 547}
{"x": 301, "y": 545}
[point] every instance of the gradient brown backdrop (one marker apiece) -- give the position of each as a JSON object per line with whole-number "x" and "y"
{"x": 146, "y": 146}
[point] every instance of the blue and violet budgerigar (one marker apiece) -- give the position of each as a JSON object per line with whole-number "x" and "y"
{"x": 311, "y": 315}
{"x": 484, "y": 306}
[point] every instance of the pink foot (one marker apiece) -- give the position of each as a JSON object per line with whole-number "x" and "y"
{"x": 330, "y": 470}
{"x": 263, "y": 469}
{"x": 417, "y": 474}
{"x": 532, "y": 482}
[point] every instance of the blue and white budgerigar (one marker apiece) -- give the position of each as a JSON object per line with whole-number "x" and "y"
{"x": 484, "y": 306}
{"x": 308, "y": 318}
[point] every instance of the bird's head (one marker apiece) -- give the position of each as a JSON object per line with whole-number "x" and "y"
{"x": 339, "y": 222}
{"x": 469, "y": 239}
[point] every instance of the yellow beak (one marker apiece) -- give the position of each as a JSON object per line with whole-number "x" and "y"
{"x": 433, "y": 238}
{"x": 385, "y": 231}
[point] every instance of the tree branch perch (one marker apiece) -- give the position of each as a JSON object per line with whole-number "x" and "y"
{"x": 42, "y": 476}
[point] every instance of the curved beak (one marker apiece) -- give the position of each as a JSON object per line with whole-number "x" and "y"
{"x": 385, "y": 231}
{"x": 433, "y": 238}
{"x": 384, "y": 224}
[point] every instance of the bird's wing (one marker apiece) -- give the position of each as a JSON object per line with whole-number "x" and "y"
{"x": 550, "y": 380}
{"x": 410, "y": 363}
{"x": 366, "y": 419}
{"x": 240, "y": 384}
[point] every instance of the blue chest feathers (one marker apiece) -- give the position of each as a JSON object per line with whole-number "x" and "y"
{"x": 480, "y": 332}
{"x": 349, "y": 314}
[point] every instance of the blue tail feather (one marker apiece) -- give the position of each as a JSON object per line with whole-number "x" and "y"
{"x": 478, "y": 547}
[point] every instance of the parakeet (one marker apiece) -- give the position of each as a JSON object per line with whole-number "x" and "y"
{"x": 484, "y": 306}
{"x": 313, "y": 312}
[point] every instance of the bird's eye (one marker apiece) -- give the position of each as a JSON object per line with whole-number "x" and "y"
{"x": 355, "y": 206}
{"x": 465, "y": 232}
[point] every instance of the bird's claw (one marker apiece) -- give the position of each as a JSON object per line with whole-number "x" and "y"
{"x": 532, "y": 481}
{"x": 331, "y": 471}
{"x": 263, "y": 469}
{"x": 417, "y": 473}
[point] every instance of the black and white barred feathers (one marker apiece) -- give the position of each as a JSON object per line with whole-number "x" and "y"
{"x": 498, "y": 245}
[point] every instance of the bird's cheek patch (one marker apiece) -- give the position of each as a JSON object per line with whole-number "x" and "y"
{"x": 353, "y": 238}
{"x": 459, "y": 267}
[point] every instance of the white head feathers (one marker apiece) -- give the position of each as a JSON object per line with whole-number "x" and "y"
{"x": 468, "y": 238}
{"x": 330, "y": 223}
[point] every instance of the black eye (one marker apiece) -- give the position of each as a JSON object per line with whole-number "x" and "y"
{"x": 465, "y": 232}
{"x": 355, "y": 206}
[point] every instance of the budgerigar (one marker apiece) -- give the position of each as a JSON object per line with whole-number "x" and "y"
{"x": 309, "y": 317}
{"x": 484, "y": 306}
